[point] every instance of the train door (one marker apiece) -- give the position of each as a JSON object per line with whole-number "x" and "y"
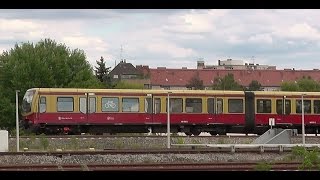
{"x": 148, "y": 107}
{"x": 88, "y": 107}
{"x": 215, "y": 110}
{"x": 283, "y": 107}
{"x": 42, "y": 108}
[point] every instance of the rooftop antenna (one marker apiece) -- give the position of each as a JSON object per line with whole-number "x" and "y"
{"x": 252, "y": 59}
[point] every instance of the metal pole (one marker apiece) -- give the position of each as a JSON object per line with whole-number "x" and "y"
{"x": 303, "y": 128}
{"x": 168, "y": 122}
{"x": 17, "y": 120}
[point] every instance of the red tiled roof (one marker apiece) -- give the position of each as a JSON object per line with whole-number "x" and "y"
{"x": 267, "y": 78}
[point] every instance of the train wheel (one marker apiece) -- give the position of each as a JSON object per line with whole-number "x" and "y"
{"x": 188, "y": 133}
{"x": 212, "y": 133}
{"x": 195, "y": 132}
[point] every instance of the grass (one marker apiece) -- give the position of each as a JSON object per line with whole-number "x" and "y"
{"x": 263, "y": 166}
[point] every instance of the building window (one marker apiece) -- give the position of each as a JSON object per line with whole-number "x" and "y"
{"x": 115, "y": 76}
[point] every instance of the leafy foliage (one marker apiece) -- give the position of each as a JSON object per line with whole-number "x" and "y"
{"x": 305, "y": 84}
{"x": 226, "y": 83}
{"x": 195, "y": 82}
{"x": 310, "y": 159}
{"x": 254, "y": 86}
{"x": 126, "y": 85}
{"x": 102, "y": 72}
{"x": 44, "y": 64}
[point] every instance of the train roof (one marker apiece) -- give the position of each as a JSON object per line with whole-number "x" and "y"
{"x": 161, "y": 91}
{"x": 138, "y": 91}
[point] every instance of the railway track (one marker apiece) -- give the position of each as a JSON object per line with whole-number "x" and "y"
{"x": 221, "y": 166}
{"x": 145, "y": 136}
{"x": 132, "y": 151}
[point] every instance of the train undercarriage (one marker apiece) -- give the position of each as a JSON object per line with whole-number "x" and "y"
{"x": 188, "y": 130}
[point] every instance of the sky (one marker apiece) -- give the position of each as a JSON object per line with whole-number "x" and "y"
{"x": 173, "y": 38}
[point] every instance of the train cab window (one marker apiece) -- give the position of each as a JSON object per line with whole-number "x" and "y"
{"x": 193, "y": 105}
{"x": 110, "y": 104}
{"x": 42, "y": 105}
{"x": 130, "y": 104}
{"x": 279, "y": 106}
{"x": 210, "y": 105}
{"x": 306, "y": 104}
{"x": 235, "y": 105}
{"x": 65, "y": 104}
{"x": 175, "y": 105}
{"x": 316, "y": 106}
{"x": 263, "y": 106}
{"x": 157, "y": 105}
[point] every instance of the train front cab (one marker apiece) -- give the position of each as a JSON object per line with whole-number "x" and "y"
{"x": 28, "y": 108}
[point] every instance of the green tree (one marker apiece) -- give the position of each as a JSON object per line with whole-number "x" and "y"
{"x": 44, "y": 64}
{"x": 289, "y": 86}
{"x": 254, "y": 86}
{"x": 126, "y": 85}
{"x": 226, "y": 83}
{"x": 102, "y": 72}
{"x": 195, "y": 82}
{"x": 303, "y": 84}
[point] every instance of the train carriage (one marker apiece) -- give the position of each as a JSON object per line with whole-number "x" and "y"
{"x": 74, "y": 111}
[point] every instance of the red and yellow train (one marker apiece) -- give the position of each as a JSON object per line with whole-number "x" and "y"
{"x": 74, "y": 111}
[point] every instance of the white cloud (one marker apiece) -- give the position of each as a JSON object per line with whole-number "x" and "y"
{"x": 232, "y": 39}
{"x": 169, "y": 48}
{"x": 195, "y": 21}
{"x": 18, "y": 25}
{"x": 261, "y": 38}
{"x": 299, "y": 31}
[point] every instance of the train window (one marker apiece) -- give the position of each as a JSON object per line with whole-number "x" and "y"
{"x": 92, "y": 104}
{"x": 157, "y": 105}
{"x": 193, "y": 105}
{"x": 279, "y": 106}
{"x": 235, "y": 105}
{"x": 316, "y": 106}
{"x": 65, "y": 104}
{"x": 219, "y": 106}
{"x": 288, "y": 107}
{"x": 130, "y": 104}
{"x": 83, "y": 105}
{"x": 210, "y": 105}
{"x": 42, "y": 105}
{"x": 148, "y": 105}
{"x": 263, "y": 105}
{"x": 175, "y": 105}
{"x": 110, "y": 104}
{"x": 306, "y": 104}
